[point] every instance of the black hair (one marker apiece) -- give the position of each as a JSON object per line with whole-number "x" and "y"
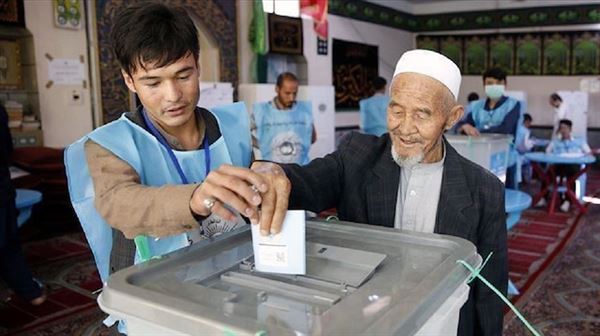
{"x": 527, "y": 117}
{"x": 472, "y": 97}
{"x": 153, "y": 33}
{"x": 555, "y": 96}
{"x": 286, "y": 76}
{"x": 495, "y": 73}
{"x": 379, "y": 83}
{"x": 566, "y": 122}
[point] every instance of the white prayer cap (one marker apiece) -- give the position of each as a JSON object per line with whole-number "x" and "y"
{"x": 432, "y": 64}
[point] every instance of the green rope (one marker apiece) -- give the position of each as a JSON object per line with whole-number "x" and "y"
{"x": 475, "y": 274}
{"x": 141, "y": 242}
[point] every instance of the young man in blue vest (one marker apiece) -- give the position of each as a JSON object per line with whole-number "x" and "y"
{"x": 496, "y": 114}
{"x": 283, "y": 127}
{"x": 169, "y": 169}
{"x": 169, "y": 173}
{"x": 373, "y": 110}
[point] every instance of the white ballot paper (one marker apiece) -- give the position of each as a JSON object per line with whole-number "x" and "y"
{"x": 284, "y": 252}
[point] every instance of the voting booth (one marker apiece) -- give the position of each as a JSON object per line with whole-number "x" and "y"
{"x": 487, "y": 150}
{"x": 360, "y": 279}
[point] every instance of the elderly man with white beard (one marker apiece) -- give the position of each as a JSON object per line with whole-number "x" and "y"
{"x": 411, "y": 179}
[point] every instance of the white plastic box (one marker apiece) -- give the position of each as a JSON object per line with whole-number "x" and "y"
{"x": 360, "y": 279}
{"x": 487, "y": 150}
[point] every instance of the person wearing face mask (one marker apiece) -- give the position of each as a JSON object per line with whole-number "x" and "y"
{"x": 497, "y": 113}
{"x": 282, "y": 129}
{"x": 411, "y": 178}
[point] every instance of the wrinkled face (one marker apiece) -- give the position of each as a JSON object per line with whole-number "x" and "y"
{"x": 420, "y": 109}
{"x": 169, "y": 93}
{"x": 564, "y": 131}
{"x": 287, "y": 92}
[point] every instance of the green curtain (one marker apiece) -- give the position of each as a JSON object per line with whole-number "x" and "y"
{"x": 258, "y": 42}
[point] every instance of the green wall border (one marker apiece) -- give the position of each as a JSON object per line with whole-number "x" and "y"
{"x": 502, "y": 18}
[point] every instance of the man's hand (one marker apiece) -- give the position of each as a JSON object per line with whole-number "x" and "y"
{"x": 239, "y": 188}
{"x": 469, "y": 130}
{"x": 275, "y": 200}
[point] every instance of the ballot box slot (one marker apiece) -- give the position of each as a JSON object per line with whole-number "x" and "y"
{"x": 280, "y": 288}
{"x": 340, "y": 265}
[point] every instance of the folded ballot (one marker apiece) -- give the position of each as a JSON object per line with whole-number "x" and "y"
{"x": 284, "y": 252}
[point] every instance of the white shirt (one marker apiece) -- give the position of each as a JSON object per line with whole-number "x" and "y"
{"x": 562, "y": 112}
{"x": 418, "y": 196}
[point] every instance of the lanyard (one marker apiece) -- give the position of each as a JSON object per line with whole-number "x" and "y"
{"x": 163, "y": 141}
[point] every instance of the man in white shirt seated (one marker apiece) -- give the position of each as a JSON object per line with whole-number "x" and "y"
{"x": 566, "y": 144}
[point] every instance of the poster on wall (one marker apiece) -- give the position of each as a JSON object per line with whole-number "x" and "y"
{"x": 586, "y": 53}
{"x": 428, "y": 43}
{"x": 66, "y": 71}
{"x": 67, "y": 14}
{"x": 285, "y": 35}
{"x": 451, "y": 47}
{"x": 528, "y": 55}
{"x": 12, "y": 13}
{"x": 10, "y": 65}
{"x": 556, "y": 53}
{"x": 355, "y": 65}
{"x": 476, "y": 55}
{"x": 501, "y": 52}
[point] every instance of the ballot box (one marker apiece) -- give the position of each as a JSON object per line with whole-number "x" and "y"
{"x": 491, "y": 151}
{"x": 359, "y": 279}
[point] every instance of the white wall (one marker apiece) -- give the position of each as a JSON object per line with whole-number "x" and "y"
{"x": 391, "y": 42}
{"x": 244, "y": 17}
{"x": 62, "y": 122}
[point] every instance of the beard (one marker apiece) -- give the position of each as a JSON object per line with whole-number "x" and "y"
{"x": 407, "y": 161}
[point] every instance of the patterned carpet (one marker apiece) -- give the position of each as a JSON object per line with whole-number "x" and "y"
{"x": 565, "y": 299}
{"x": 534, "y": 241}
{"x": 64, "y": 264}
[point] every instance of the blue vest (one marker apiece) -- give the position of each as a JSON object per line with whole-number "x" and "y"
{"x": 284, "y": 136}
{"x": 373, "y": 114}
{"x": 485, "y": 119}
{"x": 522, "y": 135}
{"x": 149, "y": 158}
{"x": 573, "y": 145}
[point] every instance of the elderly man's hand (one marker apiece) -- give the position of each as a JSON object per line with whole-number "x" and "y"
{"x": 275, "y": 200}
{"x": 469, "y": 130}
{"x": 237, "y": 187}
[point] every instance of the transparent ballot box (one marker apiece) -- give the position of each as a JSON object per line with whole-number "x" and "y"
{"x": 360, "y": 279}
{"x": 491, "y": 151}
